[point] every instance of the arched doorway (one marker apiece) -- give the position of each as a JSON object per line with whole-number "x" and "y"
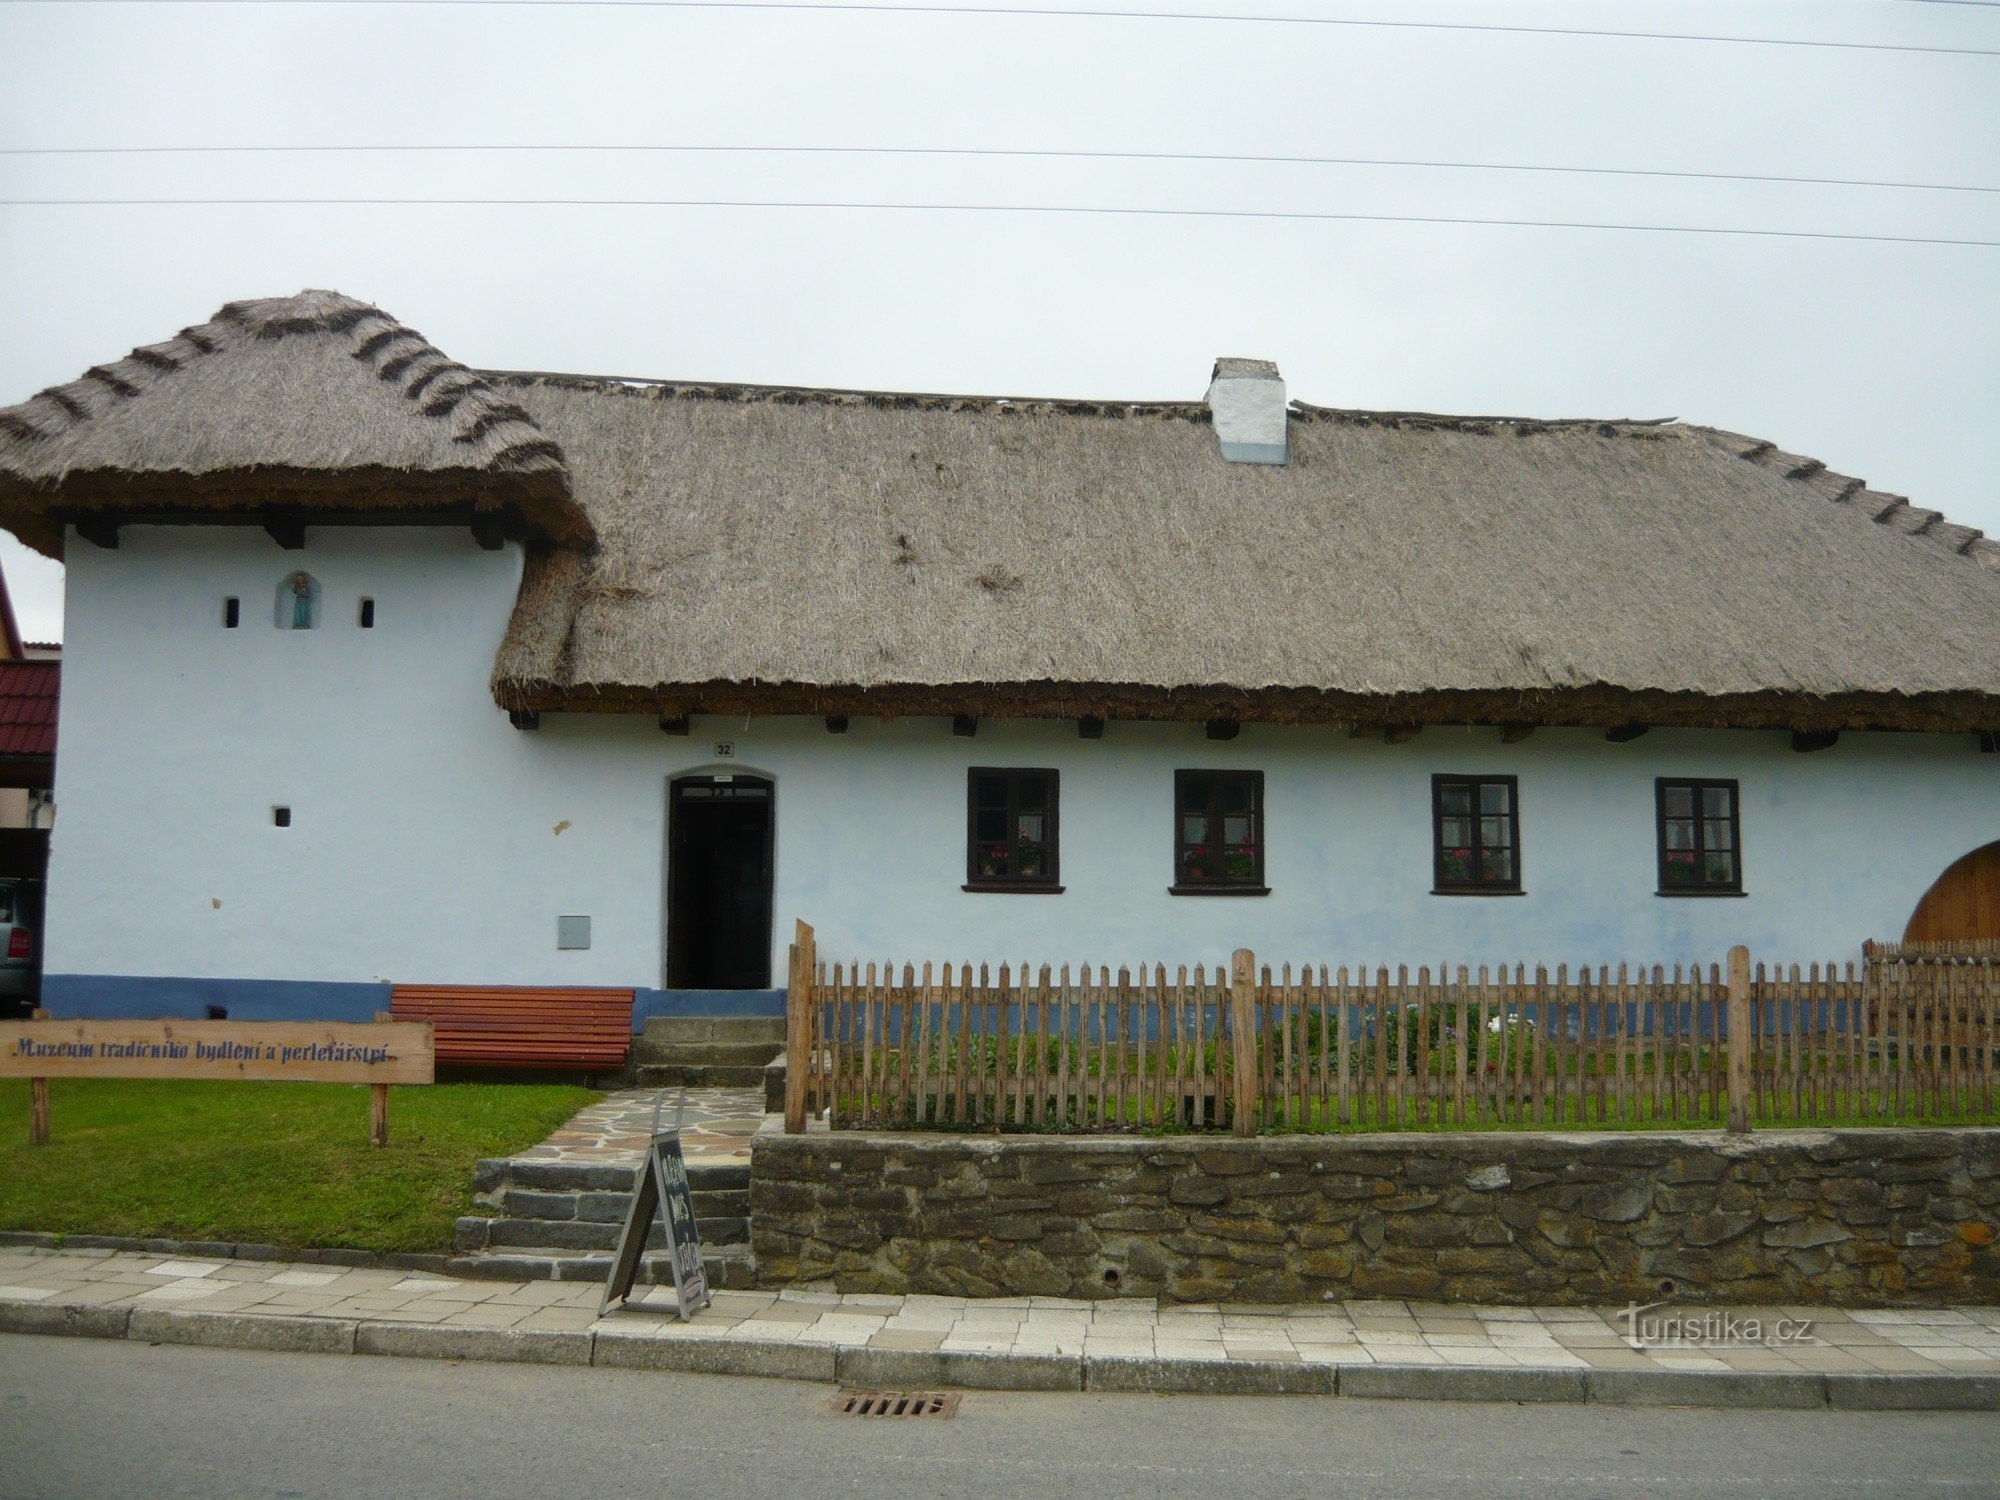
{"x": 1963, "y": 904}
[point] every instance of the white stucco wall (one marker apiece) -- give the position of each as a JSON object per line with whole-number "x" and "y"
{"x": 425, "y": 842}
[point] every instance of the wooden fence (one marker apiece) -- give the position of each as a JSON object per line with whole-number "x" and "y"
{"x": 1906, "y": 1036}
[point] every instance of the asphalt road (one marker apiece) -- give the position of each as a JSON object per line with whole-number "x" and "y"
{"x": 102, "y": 1417}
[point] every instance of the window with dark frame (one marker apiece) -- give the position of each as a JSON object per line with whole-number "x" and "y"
{"x": 1701, "y": 849}
{"x": 1476, "y": 826}
{"x": 1011, "y": 830}
{"x": 1219, "y": 832}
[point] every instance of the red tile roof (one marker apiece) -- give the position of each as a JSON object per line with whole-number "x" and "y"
{"x": 28, "y": 694}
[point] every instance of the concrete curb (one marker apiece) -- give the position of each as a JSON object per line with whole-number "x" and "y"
{"x": 218, "y": 1330}
{"x": 638, "y": 1348}
{"x": 1214, "y": 1377}
{"x": 505, "y": 1345}
{"x": 1462, "y": 1383}
{"x": 71, "y": 1319}
{"x": 619, "y": 1349}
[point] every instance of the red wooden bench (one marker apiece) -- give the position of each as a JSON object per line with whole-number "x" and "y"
{"x": 520, "y": 1026}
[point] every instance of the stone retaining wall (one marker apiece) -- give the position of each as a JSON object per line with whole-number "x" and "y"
{"x": 1863, "y": 1216}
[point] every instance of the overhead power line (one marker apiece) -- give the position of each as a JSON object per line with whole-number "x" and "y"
{"x": 994, "y": 208}
{"x": 1019, "y": 153}
{"x": 909, "y": 7}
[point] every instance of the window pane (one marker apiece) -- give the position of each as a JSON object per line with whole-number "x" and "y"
{"x": 1240, "y": 863}
{"x": 1027, "y": 862}
{"x": 1679, "y": 800}
{"x": 1029, "y": 826}
{"x": 1194, "y": 793}
{"x": 1721, "y": 869}
{"x": 1032, "y": 791}
{"x": 1236, "y": 828}
{"x": 1238, "y": 794}
{"x": 1194, "y": 830}
{"x": 1715, "y": 801}
{"x": 1680, "y": 835}
{"x": 990, "y": 827}
{"x": 1680, "y": 869}
{"x": 991, "y": 791}
{"x": 1498, "y": 866}
{"x": 1493, "y": 832}
{"x": 1196, "y": 865}
{"x": 1715, "y": 834}
{"x": 1455, "y": 797}
{"x": 1495, "y": 797}
{"x": 992, "y": 859}
{"x": 1455, "y": 867}
{"x": 1455, "y": 831}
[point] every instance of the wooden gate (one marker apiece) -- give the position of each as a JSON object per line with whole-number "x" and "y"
{"x": 1964, "y": 904}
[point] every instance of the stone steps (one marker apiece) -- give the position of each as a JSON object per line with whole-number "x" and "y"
{"x": 696, "y": 1030}
{"x": 705, "y": 1054}
{"x": 705, "y": 1051}
{"x": 698, "y": 1075}
{"x": 561, "y": 1220}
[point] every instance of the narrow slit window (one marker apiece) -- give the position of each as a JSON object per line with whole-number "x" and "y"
{"x": 1011, "y": 831}
{"x": 367, "y": 614}
{"x": 1476, "y": 835}
{"x": 232, "y": 613}
{"x": 1218, "y": 833}
{"x": 281, "y": 817}
{"x": 1701, "y": 850}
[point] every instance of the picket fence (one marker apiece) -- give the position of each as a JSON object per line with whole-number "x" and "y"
{"x": 1909, "y": 1034}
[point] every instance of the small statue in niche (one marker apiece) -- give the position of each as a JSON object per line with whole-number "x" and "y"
{"x": 303, "y": 594}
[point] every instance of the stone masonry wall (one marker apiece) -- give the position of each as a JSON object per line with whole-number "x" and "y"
{"x": 1900, "y": 1217}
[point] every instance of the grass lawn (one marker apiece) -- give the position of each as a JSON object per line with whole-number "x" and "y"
{"x": 266, "y": 1163}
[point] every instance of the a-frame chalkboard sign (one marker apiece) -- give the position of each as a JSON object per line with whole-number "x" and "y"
{"x": 661, "y": 1186}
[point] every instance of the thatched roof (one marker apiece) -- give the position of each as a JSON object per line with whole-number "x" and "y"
{"x": 766, "y": 550}
{"x": 317, "y": 404}
{"x": 751, "y": 549}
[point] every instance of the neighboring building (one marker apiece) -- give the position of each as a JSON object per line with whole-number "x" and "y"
{"x": 385, "y": 669}
{"x": 30, "y": 686}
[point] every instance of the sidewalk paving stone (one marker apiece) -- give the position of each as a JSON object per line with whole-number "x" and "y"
{"x": 1907, "y": 1358}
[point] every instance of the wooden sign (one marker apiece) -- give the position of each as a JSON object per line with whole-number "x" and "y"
{"x": 376, "y": 1054}
{"x": 661, "y": 1186}
{"x": 290, "y": 1051}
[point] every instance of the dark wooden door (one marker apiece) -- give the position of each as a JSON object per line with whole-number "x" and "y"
{"x": 719, "y": 883}
{"x": 1964, "y": 903}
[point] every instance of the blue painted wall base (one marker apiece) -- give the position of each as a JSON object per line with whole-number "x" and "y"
{"x": 756, "y": 1003}
{"x": 147, "y": 997}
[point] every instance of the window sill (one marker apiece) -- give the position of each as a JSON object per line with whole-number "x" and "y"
{"x": 1699, "y": 895}
{"x": 1467, "y": 890}
{"x": 1011, "y": 888}
{"x": 1218, "y": 890}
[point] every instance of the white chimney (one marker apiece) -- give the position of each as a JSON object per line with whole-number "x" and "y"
{"x": 1246, "y": 398}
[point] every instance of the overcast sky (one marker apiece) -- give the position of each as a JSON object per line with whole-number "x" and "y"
{"x": 1881, "y": 359}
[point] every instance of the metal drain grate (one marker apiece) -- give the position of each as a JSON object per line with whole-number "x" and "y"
{"x": 896, "y": 1404}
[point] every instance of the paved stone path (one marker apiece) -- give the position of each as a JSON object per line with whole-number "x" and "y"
{"x": 614, "y": 1131}
{"x": 749, "y": 1328}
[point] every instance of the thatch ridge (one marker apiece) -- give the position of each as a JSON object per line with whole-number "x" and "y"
{"x": 771, "y": 549}
{"x": 261, "y": 405}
